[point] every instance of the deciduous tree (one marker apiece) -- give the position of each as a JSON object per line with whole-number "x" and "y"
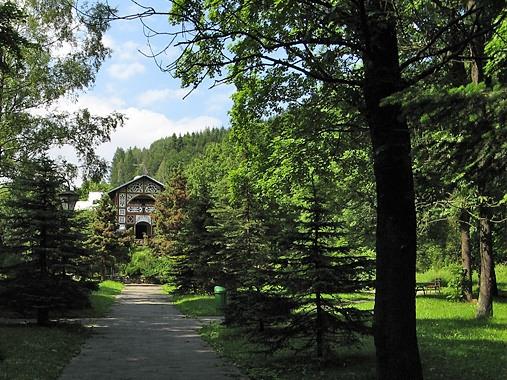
{"x": 51, "y": 51}
{"x": 349, "y": 50}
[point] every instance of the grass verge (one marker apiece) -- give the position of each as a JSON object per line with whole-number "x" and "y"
{"x": 196, "y": 305}
{"x": 102, "y": 299}
{"x": 29, "y": 352}
{"x": 453, "y": 344}
{"x": 193, "y": 305}
{"x": 350, "y": 363}
{"x": 449, "y": 336}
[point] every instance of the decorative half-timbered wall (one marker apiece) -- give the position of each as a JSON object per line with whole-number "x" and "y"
{"x": 135, "y": 201}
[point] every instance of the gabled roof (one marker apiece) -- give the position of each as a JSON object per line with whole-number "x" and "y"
{"x": 134, "y": 180}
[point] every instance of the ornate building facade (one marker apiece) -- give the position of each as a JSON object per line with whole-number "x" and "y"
{"x": 135, "y": 201}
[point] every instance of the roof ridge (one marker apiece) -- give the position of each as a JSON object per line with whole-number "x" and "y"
{"x": 135, "y": 179}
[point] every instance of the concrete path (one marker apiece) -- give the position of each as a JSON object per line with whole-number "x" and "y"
{"x": 146, "y": 338}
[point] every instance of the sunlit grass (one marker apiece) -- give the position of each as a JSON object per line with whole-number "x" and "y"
{"x": 168, "y": 288}
{"x": 453, "y": 344}
{"x": 449, "y": 335}
{"x": 193, "y": 305}
{"x": 102, "y": 299}
{"x": 197, "y": 305}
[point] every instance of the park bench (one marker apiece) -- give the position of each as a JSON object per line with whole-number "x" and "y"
{"x": 434, "y": 286}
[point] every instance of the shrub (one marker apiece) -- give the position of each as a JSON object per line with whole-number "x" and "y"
{"x": 457, "y": 284}
{"x": 146, "y": 267}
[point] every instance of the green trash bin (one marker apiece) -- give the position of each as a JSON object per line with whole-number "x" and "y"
{"x": 220, "y": 297}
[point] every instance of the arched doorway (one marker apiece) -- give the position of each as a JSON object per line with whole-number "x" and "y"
{"x": 142, "y": 228}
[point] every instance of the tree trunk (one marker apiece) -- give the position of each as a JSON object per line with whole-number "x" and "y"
{"x": 485, "y": 303}
{"x": 43, "y": 316}
{"x": 466, "y": 257}
{"x": 320, "y": 327}
{"x": 494, "y": 285}
{"x": 395, "y": 320}
{"x": 103, "y": 267}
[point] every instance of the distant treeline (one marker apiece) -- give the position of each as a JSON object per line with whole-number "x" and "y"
{"x": 163, "y": 156}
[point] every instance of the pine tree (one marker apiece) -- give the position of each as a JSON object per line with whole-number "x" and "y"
{"x": 169, "y": 217}
{"x": 52, "y": 270}
{"x": 313, "y": 272}
{"x": 108, "y": 244}
{"x": 198, "y": 243}
{"x": 244, "y": 258}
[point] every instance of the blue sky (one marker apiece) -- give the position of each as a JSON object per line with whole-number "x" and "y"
{"x": 152, "y": 100}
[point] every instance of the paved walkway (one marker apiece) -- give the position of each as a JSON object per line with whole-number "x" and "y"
{"x": 146, "y": 338}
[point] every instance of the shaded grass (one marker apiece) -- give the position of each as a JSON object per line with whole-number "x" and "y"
{"x": 453, "y": 344}
{"x": 347, "y": 363}
{"x": 29, "y": 352}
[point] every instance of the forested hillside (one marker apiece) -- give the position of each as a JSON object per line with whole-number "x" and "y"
{"x": 162, "y": 157}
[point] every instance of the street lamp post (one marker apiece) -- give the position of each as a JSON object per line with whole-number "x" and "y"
{"x": 68, "y": 199}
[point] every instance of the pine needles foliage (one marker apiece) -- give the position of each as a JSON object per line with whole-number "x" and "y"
{"x": 313, "y": 272}
{"x": 109, "y": 245}
{"x": 53, "y": 267}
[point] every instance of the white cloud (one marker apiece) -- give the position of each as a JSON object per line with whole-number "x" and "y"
{"x": 125, "y": 70}
{"x": 128, "y": 50}
{"x": 142, "y": 126}
{"x": 125, "y": 50}
{"x": 98, "y": 105}
{"x": 153, "y": 96}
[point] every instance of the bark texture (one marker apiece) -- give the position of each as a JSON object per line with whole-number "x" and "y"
{"x": 394, "y": 321}
{"x": 466, "y": 254}
{"x": 485, "y": 303}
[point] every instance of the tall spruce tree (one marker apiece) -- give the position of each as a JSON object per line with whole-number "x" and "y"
{"x": 169, "y": 218}
{"x": 52, "y": 267}
{"x": 199, "y": 244}
{"x": 316, "y": 269}
{"x": 108, "y": 245}
{"x": 242, "y": 257}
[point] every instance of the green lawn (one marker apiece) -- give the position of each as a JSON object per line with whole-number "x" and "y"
{"x": 30, "y": 352}
{"x": 197, "y": 305}
{"x": 103, "y": 299}
{"x": 456, "y": 345}
{"x": 349, "y": 363}
{"x": 453, "y": 344}
{"x": 194, "y": 305}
